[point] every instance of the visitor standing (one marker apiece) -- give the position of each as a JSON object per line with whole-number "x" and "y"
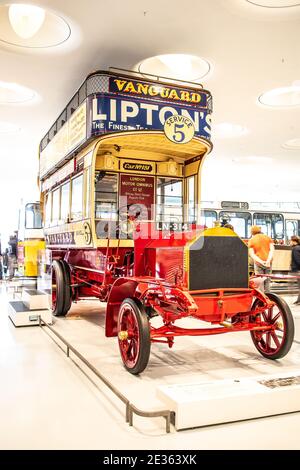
{"x": 295, "y": 266}
{"x": 261, "y": 250}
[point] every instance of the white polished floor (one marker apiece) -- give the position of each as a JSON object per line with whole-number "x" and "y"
{"x": 46, "y": 402}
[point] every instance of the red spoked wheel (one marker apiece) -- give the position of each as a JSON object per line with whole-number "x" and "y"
{"x": 277, "y": 342}
{"x": 134, "y": 336}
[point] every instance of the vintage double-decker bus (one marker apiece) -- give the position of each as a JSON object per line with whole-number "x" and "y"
{"x": 120, "y": 181}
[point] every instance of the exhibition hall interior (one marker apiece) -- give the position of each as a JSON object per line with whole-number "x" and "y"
{"x": 150, "y": 225}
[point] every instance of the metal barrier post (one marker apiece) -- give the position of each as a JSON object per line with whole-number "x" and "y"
{"x": 130, "y": 408}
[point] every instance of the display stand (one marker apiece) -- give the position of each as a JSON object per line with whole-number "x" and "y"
{"x": 223, "y": 401}
{"x": 33, "y": 304}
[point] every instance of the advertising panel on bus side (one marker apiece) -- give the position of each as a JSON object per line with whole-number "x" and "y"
{"x": 116, "y": 113}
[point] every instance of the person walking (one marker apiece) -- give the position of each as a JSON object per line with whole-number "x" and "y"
{"x": 295, "y": 265}
{"x": 261, "y": 250}
{"x": 12, "y": 256}
{"x": 1, "y": 262}
{"x": 5, "y": 262}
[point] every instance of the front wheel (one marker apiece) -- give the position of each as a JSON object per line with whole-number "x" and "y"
{"x": 277, "y": 342}
{"x": 134, "y": 336}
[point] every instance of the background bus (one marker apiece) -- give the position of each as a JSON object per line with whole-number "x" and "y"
{"x": 280, "y": 221}
{"x": 30, "y": 239}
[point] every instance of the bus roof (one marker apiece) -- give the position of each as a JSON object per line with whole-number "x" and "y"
{"x": 117, "y": 99}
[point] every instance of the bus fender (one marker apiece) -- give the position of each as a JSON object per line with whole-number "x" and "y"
{"x": 122, "y": 288}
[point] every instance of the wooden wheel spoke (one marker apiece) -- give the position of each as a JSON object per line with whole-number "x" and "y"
{"x": 275, "y": 339}
{"x": 262, "y": 342}
{"x": 134, "y": 347}
{"x": 131, "y": 322}
{"x": 274, "y": 319}
{"x": 268, "y": 338}
{"x": 270, "y": 313}
{"x": 130, "y": 347}
{"x": 264, "y": 314}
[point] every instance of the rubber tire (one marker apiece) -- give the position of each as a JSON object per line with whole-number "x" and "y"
{"x": 289, "y": 325}
{"x": 144, "y": 331}
{"x": 63, "y": 290}
{"x": 67, "y": 289}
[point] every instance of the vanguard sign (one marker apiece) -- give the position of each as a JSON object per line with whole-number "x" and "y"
{"x": 150, "y": 90}
{"x": 115, "y": 114}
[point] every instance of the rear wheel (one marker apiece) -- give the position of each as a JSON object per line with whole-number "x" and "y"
{"x": 277, "y": 342}
{"x": 61, "y": 290}
{"x": 67, "y": 287}
{"x": 134, "y": 336}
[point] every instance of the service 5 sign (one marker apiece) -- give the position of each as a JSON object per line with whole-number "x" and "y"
{"x": 115, "y": 114}
{"x": 179, "y": 129}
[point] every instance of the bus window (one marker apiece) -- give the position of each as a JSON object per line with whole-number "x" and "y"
{"x": 278, "y": 228}
{"x": 87, "y": 193}
{"x": 76, "y": 198}
{"x": 271, "y": 224}
{"x": 65, "y": 202}
{"x": 208, "y": 218}
{"x": 291, "y": 228}
{"x": 106, "y": 202}
{"x": 33, "y": 217}
{"x": 191, "y": 200}
{"x": 241, "y": 222}
{"x": 48, "y": 209}
{"x": 169, "y": 207}
{"x": 55, "y": 206}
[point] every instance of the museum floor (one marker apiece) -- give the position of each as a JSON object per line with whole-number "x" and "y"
{"x": 46, "y": 402}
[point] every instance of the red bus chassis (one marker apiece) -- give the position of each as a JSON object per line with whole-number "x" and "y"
{"x": 135, "y": 298}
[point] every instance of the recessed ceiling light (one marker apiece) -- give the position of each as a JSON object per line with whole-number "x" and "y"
{"x": 275, "y": 3}
{"x": 26, "y": 20}
{"x": 8, "y": 127}
{"x": 284, "y": 96}
{"x": 292, "y": 144}
{"x": 228, "y": 130}
{"x": 29, "y": 26}
{"x": 12, "y": 93}
{"x": 176, "y": 66}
